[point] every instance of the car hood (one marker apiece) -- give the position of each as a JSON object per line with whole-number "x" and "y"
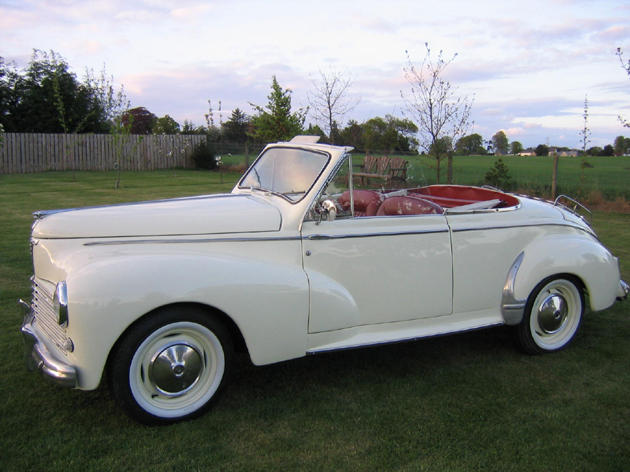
{"x": 212, "y": 214}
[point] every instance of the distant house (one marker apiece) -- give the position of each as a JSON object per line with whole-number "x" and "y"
{"x": 564, "y": 152}
{"x": 570, "y": 153}
{"x": 527, "y": 153}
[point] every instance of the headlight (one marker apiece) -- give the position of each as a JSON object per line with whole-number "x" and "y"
{"x": 60, "y": 303}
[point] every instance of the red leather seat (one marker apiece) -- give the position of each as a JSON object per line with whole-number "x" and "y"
{"x": 408, "y": 205}
{"x": 366, "y": 202}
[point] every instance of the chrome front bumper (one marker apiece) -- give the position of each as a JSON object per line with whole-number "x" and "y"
{"x": 39, "y": 357}
{"x": 623, "y": 290}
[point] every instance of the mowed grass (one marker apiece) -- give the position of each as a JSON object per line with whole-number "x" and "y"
{"x": 460, "y": 403}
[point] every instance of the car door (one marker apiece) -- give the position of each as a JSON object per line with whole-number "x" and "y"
{"x": 382, "y": 269}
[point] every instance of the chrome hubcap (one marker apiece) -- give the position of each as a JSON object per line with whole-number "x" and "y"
{"x": 175, "y": 369}
{"x": 552, "y": 313}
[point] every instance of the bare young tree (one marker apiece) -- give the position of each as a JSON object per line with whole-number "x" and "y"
{"x": 435, "y": 107}
{"x": 626, "y": 67}
{"x": 330, "y": 101}
{"x": 585, "y": 132}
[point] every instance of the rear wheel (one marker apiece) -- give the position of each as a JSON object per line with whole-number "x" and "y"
{"x": 553, "y": 315}
{"x": 170, "y": 366}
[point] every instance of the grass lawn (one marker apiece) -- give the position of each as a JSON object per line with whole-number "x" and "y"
{"x": 460, "y": 403}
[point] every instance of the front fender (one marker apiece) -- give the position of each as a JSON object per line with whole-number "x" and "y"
{"x": 576, "y": 254}
{"x": 268, "y": 302}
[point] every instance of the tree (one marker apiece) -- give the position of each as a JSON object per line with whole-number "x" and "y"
{"x": 139, "y": 120}
{"x": 621, "y": 145}
{"x": 189, "y": 128}
{"x": 594, "y": 151}
{"x": 470, "y": 145}
{"x": 166, "y": 125}
{"x": 500, "y": 143}
{"x": 516, "y": 147}
{"x": 329, "y": 100}
{"x": 352, "y": 135}
{"x": 608, "y": 151}
{"x": 542, "y": 150}
{"x": 585, "y": 132}
{"x": 434, "y": 106}
{"x": 499, "y": 176}
{"x": 276, "y": 122}
{"x": 442, "y": 146}
{"x": 235, "y": 129}
{"x": 626, "y": 67}
{"x": 315, "y": 130}
{"x": 47, "y": 98}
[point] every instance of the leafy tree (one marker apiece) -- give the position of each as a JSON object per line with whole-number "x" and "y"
{"x": 235, "y": 129}
{"x": 516, "y": 147}
{"x": 189, "y": 128}
{"x": 315, "y": 130}
{"x": 47, "y": 98}
{"x": 140, "y": 120}
{"x": 375, "y": 135}
{"x": 542, "y": 150}
{"x": 352, "y": 135}
{"x": 608, "y": 151}
{"x": 500, "y": 143}
{"x": 621, "y": 145}
{"x": 434, "y": 105}
{"x": 389, "y": 134}
{"x": 470, "y": 145}
{"x": 499, "y": 176}
{"x": 329, "y": 100}
{"x": 166, "y": 125}
{"x": 442, "y": 146}
{"x": 276, "y": 122}
{"x": 594, "y": 151}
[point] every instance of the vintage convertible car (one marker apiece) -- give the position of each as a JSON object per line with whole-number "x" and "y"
{"x": 296, "y": 261}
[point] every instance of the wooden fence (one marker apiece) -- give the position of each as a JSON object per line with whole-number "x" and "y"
{"x": 22, "y": 153}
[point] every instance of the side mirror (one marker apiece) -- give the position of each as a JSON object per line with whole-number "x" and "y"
{"x": 329, "y": 209}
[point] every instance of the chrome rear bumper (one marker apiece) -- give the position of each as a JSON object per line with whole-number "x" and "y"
{"x": 39, "y": 357}
{"x": 623, "y": 290}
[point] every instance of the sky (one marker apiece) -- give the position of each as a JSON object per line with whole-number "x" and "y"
{"x": 528, "y": 66}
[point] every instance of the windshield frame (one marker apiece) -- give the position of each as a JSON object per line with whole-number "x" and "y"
{"x": 240, "y": 185}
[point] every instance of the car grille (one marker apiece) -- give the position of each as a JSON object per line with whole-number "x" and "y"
{"x": 45, "y": 316}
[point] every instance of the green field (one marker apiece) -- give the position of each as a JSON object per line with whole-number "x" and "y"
{"x": 608, "y": 176}
{"x": 469, "y": 402}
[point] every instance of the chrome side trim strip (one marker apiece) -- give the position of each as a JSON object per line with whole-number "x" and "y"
{"x": 191, "y": 241}
{"x": 512, "y": 309}
{"x": 529, "y": 225}
{"x": 315, "y": 351}
{"x": 321, "y": 237}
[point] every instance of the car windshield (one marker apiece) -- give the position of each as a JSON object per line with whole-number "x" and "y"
{"x": 288, "y": 172}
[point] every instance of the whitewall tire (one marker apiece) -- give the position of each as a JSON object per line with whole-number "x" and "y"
{"x": 170, "y": 366}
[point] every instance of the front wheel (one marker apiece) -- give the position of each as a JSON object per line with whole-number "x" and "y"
{"x": 553, "y": 314}
{"x": 171, "y": 365}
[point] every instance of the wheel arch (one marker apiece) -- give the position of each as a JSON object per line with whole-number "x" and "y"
{"x": 234, "y": 331}
{"x": 577, "y": 256}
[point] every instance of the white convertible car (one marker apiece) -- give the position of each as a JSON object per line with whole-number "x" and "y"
{"x": 295, "y": 261}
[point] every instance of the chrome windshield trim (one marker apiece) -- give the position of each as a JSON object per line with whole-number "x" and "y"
{"x": 192, "y": 241}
